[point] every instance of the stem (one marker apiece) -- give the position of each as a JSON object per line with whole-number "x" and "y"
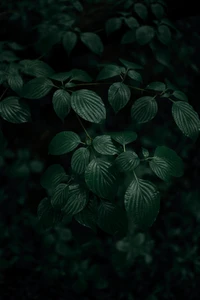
{"x": 3, "y": 93}
{"x": 83, "y": 127}
{"x": 124, "y": 147}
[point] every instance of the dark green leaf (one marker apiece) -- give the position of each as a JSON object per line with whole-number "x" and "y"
{"x": 88, "y": 105}
{"x": 118, "y": 95}
{"x": 100, "y": 178}
{"x": 112, "y": 25}
{"x": 156, "y": 86}
{"x": 36, "y": 68}
{"x": 61, "y": 76}
{"x": 111, "y": 218}
{"x": 157, "y": 10}
{"x": 166, "y": 163}
{"x": 59, "y": 197}
{"x": 164, "y": 34}
{"x": 61, "y": 103}
{"x": 69, "y": 41}
{"x": 104, "y": 145}
{"x": 142, "y": 203}
{"x": 131, "y": 22}
{"x": 14, "y": 111}
{"x": 46, "y": 214}
{"x": 180, "y": 95}
{"x": 124, "y": 137}
{"x": 109, "y": 71}
{"x": 54, "y": 175}
{"x": 134, "y": 75}
{"x": 127, "y": 161}
{"x": 92, "y": 41}
{"x": 77, "y": 200}
{"x": 128, "y": 37}
{"x": 64, "y": 142}
{"x": 80, "y": 160}
{"x": 141, "y": 10}
{"x": 37, "y": 88}
{"x": 144, "y": 34}
{"x": 144, "y": 109}
{"x": 15, "y": 82}
{"x": 186, "y": 119}
{"x": 130, "y": 65}
{"x": 87, "y": 217}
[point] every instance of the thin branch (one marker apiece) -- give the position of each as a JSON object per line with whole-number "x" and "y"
{"x": 3, "y": 93}
{"x": 83, "y": 127}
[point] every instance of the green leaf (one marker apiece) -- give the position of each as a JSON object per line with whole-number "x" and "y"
{"x": 104, "y": 145}
{"x": 141, "y": 10}
{"x": 156, "y": 86}
{"x": 53, "y": 175}
{"x": 111, "y": 218}
{"x": 80, "y": 75}
{"x": 186, "y": 118}
{"x": 130, "y": 65}
{"x": 59, "y": 197}
{"x": 61, "y": 103}
{"x": 127, "y": 161}
{"x": 88, "y": 105}
{"x": 131, "y": 22}
{"x": 144, "y": 109}
{"x": 166, "y": 163}
{"x": 124, "y": 137}
{"x": 145, "y": 152}
{"x": 77, "y": 200}
{"x": 61, "y": 76}
{"x": 37, "y": 88}
{"x": 109, "y": 71}
{"x": 69, "y": 41}
{"x": 144, "y": 34}
{"x": 46, "y": 214}
{"x": 100, "y": 178}
{"x": 92, "y": 41}
{"x": 157, "y": 10}
{"x": 118, "y": 95}
{"x": 128, "y": 37}
{"x": 164, "y": 34}
{"x": 134, "y": 75}
{"x": 14, "y": 111}
{"x": 15, "y": 82}
{"x": 64, "y": 142}
{"x": 87, "y": 217}
{"x": 36, "y": 68}
{"x": 80, "y": 160}
{"x": 113, "y": 25}
{"x": 180, "y": 95}
{"x": 142, "y": 203}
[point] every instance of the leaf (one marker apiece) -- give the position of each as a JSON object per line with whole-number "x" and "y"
{"x": 127, "y": 161}
{"x": 156, "y": 86}
{"x": 144, "y": 109}
{"x": 37, "y": 88}
{"x": 80, "y": 160}
{"x": 77, "y": 200}
{"x": 164, "y": 34}
{"x": 36, "y": 68}
{"x": 64, "y": 142}
{"x": 14, "y": 111}
{"x": 53, "y": 175}
{"x": 124, "y": 137}
{"x": 134, "y": 75}
{"x": 100, "y": 178}
{"x": 111, "y": 218}
{"x": 15, "y": 82}
{"x": 118, "y": 95}
{"x": 46, "y": 214}
{"x": 141, "y": 10}
{"x": 61, "y": 103}
{"x": 145, "y": 152}
{"x": 186, "y": 118}
{"x": 142, "y": 203}
{"x": 92, "y": 41}
{"x": 144, "y": 34}
{"x": 109, "y": 71}
{"x": 59, "y": 197}
{"x": 157, "y": 10}
{"x": 61, "y": 76}
{"x": 69, "y": 41}
{"x": 88, "y": 105}
{"x": 128, "y": 37}
{"x": 166, "y": 163}
{"x": 87, "y": 217}
{"x": 104, "y": 145}
{"x": 180, "y": 95}
{"x": 80, "y": 75}
{"x": 130, "y": 65}
{"x": 113, "y": 25}
{"x": 131, "y": 22}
